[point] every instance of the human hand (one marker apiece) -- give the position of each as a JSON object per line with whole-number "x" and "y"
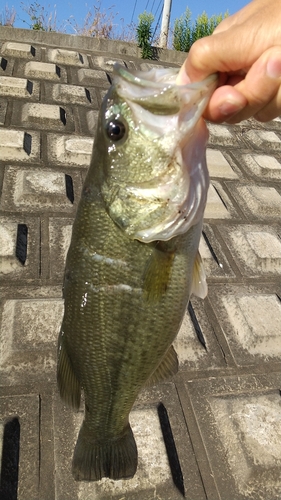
{"x": 245, "y": 50}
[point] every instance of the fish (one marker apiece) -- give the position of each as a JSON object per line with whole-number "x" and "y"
{"x": 133, "y": 260}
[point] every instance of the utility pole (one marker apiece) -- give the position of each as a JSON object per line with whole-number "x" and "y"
{"x": 165, "y": 24}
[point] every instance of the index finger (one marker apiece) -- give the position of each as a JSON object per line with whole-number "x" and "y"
{"x": 222, "y": 52}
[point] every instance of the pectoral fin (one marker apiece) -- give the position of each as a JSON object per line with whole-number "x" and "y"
{"x": 68, "y": 384}
{"x": 168, "y": 367}
{"x": 199, "y": 284}
{"x": 157, "y": 274}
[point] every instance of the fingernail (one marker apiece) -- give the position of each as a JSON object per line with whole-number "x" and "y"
{"x": 230, "y": 107}
{"x": 273, "y": 67}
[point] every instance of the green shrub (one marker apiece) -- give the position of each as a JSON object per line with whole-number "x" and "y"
{"x": 182, "y": 32}
{"x": 186, "y": 32}
{"x": 144, "y": 34}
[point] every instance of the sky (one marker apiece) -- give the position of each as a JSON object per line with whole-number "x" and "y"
{"x": 124, "y": 11}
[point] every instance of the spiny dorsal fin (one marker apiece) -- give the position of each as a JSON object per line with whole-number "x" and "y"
{"x": 168, "y": 368}
{"x": 157, "y": 274}
{"x": 199, "y": 284}
{"x": 68, "y": 384}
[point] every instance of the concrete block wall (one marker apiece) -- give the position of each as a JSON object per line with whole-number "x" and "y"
{"x": 213, "y": 432}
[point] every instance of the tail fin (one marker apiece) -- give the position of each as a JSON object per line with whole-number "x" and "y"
{"x": 116, "y": 459}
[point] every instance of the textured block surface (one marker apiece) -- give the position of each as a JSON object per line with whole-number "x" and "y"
{"x": 211, "y": 432}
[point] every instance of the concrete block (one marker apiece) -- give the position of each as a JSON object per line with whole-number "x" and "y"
{"x": 192, "y": 354}
{"x": 239, "y": 421}
{"x": 264, "y": 166}
{"x": 73, "y": 94}
{"x": 103, "y": 93}
{"x": 257, "y": 322}
{"x": 246, "y": 425}
{"x": 146, "y": 66}
{"x": 92, "y": 120}
{"x": 216, "y": 207}
{"x": 67, "y": 57}
{"x": 263, "y": 139}
{"x": 35, "y": 190}
{"x": 214, "y": 259}
{"x": 60, "y": 231}
{"x": 44, "y": 115}
{"x": 16, "y": 49}
{"x": 3, "y": 110}
{"x": 256, "y": 248}
{"x": 70, "y": 150}
{"x": 33, "y": 323}
{"x": 261, "y": 202}
{"x": 19, "y": 145}
{"x": 18, "y": 87}
{"x": 19, "y": 247}
{"x": 218, "y": 166}
{"x": 28, "y": 332}
{"x": 204, "y": 250}
{"x": 189, "y": 350}
{"x": 106, "y": 63}
{"x": 26, "y": 410}
{"x": 251, "y": 323}
{"x": 220, "y": 135}
{"x": 92, "y": 77}
{"x": 46, "y": 71}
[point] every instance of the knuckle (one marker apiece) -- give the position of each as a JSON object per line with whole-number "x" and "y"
{"x": 200, "y": 53}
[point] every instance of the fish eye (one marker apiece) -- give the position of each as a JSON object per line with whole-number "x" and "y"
{"x": 115, "y": 129}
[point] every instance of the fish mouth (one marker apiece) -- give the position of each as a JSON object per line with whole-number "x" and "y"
{"x": 173, "y": 199}
{"x": 158, "y": 78}
{"x": 156, "y": 90}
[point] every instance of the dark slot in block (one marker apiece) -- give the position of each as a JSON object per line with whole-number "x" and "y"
{"x": 21, "y": 245}
{"x": 10, "y": 460}
{"x": 171, "y": 448}
{"x": 196, "y": 325}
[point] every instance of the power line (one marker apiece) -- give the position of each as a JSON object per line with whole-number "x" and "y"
{"x": 134, "y": 10}
{"x": 158, "y": 8}
{"x": 157, "y": 24}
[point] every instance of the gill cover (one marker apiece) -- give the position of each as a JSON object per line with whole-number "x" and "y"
{"x": 167, "y": 119}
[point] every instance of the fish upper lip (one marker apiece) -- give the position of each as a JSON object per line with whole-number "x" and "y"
{"x": 121, "y": 71}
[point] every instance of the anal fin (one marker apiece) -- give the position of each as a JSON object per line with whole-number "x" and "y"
{"x": 68, "y": 384}
{"x": 167, "y": 368}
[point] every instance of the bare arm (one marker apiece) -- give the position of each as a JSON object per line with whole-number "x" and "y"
{"x": 245, "y": 49}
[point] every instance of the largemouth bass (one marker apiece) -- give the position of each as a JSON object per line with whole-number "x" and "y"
{"x": 133, "y": 260}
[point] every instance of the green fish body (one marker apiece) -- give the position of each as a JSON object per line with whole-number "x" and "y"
{"x": 133, "y": 260}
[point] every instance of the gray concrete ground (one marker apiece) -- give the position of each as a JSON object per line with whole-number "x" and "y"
{"x": 214, "y": 431}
